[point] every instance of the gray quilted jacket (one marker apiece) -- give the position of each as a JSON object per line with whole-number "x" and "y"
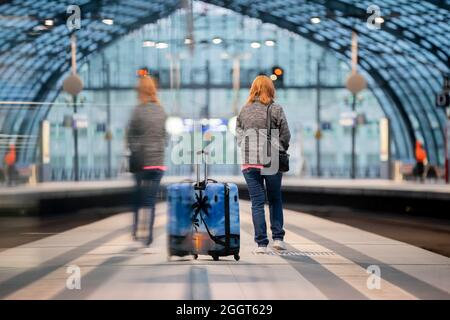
{"x": 147, "y": 134}
{"x": 254, "y": 117}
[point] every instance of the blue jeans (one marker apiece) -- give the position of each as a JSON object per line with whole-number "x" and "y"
{"x": 257, "y": 191}
{"x": 146, "y": 190}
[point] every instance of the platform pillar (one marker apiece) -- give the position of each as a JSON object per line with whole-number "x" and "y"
{"x": 385, "y": 149}
{"x": 44, "y": 163}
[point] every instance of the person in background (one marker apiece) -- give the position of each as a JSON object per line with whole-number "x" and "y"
{"x": 146, "y": 140}
{"x": 421, "y": 159}
{"x": 10, "y": 164}
{"x": 253, "y": 117}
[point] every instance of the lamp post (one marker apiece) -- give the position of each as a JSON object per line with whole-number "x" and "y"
{"x": 355, "y": 83}
{"x": 446, "y": 148}
{"x": 73, "y": 85}
{"x": 236, "y": 88}
{"x": 443, "y": 101}
{"x": 318, "y": 120}
{"x": 108, "y": 133}
{"x": 208, "y": 89}
{"x": 318, "y": 134}
{"x": 236, "y": 77}
{"x": 353, "y": 151}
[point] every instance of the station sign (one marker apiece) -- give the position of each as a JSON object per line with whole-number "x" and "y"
{"x": 101, "y": 127}
{"x": 361, "y": 119}
{"x": 326, "y": 126}
{"x": 212, "y": 125}
{"x": 80, "y": 121}
{"x": 348, "y": 119}
{"x": 443, "y": 98}
{"x": 67, "y": 122}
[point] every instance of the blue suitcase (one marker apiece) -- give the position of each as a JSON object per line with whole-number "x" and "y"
{"x": 216, "y": 220}
{"x": 203, "y": 219}
{"x": 180, "y": 197}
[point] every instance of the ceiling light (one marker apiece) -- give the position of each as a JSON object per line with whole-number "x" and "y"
{"x": 379, "y": 20}
{"x": 39, "y": 28}
{"x": 315, "y": 20}
{"x": 49, "y": 22}
{"x": 255, "y": 45}
{"x": 273, "y": 77}
{"x": 270, "y": 43}
{"x": 162, "y": 45}
{"x": 109, "y": 22}
{"x": 174, "y": 125}
{"x": 188, "y": 41}
{"x": 217, "y": 40}
{"x": 148, "y": 44}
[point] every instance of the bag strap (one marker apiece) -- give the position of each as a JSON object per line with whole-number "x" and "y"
{"x": 269, "y": 120}
{"x": 269, "y": 128}
{"x": 213, "y": 237}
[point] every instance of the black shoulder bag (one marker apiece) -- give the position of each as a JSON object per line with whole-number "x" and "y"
{"x": 136, "y": 162}
{"x": 283, "y": 156}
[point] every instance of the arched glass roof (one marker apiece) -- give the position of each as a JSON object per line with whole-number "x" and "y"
{"x": 403, "y": 61}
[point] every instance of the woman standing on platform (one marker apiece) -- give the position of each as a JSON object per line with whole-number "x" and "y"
{"x": 252, "y": 119}
{"x": 421, "y": 159}
{"x": 10, "y": 162}
{"x": 146, "y": 141}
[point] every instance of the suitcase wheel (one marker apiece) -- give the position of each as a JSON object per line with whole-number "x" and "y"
{"x": 195, "y": 256}
{"x": 215, "y": 258}
{"x": 237, "y": 257}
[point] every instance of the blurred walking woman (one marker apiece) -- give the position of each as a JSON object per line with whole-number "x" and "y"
{"x": 254, "y": 117}
{"x": 146, "y": 141}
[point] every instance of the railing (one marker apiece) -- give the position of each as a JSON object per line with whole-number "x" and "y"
{"x": 369, "y": 172}
{"x": 101, "y": 173}
{"x": 24, "y": 175}
{"x": 85, "y": 174}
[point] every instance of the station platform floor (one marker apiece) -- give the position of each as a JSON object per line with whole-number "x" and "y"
{"x": 324, "y": 260}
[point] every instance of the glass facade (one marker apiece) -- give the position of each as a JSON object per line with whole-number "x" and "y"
{"x": 210, "y": 65}
{"x": 404, "y": 62}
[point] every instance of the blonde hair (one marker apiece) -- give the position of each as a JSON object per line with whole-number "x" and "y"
{"x": 262, "y": 89}
{"x": 147, "y": 91}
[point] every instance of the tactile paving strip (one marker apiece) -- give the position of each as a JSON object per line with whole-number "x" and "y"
{"x": 300, "y": 253}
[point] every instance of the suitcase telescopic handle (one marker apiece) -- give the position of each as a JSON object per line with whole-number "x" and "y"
{"x": 202, "y": 183}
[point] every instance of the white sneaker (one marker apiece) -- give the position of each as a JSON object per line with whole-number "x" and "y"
{"x": 279, "y": 245}
{"x": 260, "y": 250}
